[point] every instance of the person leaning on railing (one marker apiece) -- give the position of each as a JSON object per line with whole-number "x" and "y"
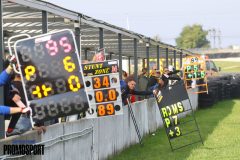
{"x": 4, "y": 78}
{"x": 129, "y": 88}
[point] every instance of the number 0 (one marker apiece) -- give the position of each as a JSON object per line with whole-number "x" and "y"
{"x": 112, "y": 94}
{"x": 77, "y": 85}
{"x": 99, "y": 96}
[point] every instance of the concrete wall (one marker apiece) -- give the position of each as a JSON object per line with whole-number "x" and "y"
{"x": 97, "y": 138}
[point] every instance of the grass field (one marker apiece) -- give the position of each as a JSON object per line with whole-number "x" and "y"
{"x": 220, "y": 129}
{"x": 228, "y": 66}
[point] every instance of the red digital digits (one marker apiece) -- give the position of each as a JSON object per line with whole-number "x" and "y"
{"x": 52, "y": 46}
{"x": 64, "y": 43}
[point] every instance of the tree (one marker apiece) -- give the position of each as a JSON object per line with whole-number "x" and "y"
{"x": 193, "y": 37}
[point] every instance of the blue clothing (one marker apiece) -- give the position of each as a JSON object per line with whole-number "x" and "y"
{"x": 123, "y": 83}
{"x": 4, "y": 110}
{"x": 4, "y": 78}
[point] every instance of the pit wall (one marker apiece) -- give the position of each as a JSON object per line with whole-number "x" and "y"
{"x": 96, "y": 139}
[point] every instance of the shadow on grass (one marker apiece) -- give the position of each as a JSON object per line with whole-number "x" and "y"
{"x": 157, "y": 147}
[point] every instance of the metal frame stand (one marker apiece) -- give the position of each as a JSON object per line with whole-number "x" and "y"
{"x": 193, "y": 119}
{"x": 134, "y": 121}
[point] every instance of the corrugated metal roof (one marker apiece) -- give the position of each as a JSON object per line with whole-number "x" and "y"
{"x": 25, "y": 16}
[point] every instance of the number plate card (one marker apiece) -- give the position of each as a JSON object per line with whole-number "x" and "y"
{"x": 103, "y": 88}
{"x": 51, "y": 75}
{"x": 195, "y": 73}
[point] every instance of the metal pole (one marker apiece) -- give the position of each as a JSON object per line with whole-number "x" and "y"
{"x": 129, "y": 65}
{"x": 120, "y": 54}
{"x": 180, "y": 59}
{"x": 158, "y": 57}
{"x": 174, "y": 56}
{"x": 166, "y": 57}
{"x": 147, "y": 56}
{"x": 110, "y": 55}
{"x": 134, "y": 121}
{"x": 101, "y": 37}
{"x": 44, "y": 22}
{"x": 135, "y": 61}
{"x": 85, "y": 54}
{"x": 44, "y": 30}
{"x": 143, "y": 62}
{"x": 77, "y": 35}
{"x": 2, "y": 122}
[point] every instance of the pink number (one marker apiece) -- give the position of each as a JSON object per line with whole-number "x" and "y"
{"x": 65, "y": 44}
{"x": 52, "y": 47}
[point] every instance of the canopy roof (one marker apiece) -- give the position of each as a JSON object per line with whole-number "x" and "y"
{"x": 25, "y": 17}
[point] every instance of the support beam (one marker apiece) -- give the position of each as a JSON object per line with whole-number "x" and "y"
{"x": 110, "y": 55}
{"x": 44, "y": 22}
{"x": 174, "y": 59}
{"x": 20, "y": 9}
{"x": 120, "y": 54}
{"x": 143, "y": 62}
{"x": 129, "y": 65}
{"x": 166, "y": 57}
{"x": 50, "y": 26}
{"x": 147, "y": 56}
{"x": 135, "y": 61}
{"x": 77, "y": 36}
{"x": 85, "y": 54}
{"x": 2, "y": 122}
{"x": 31, "y": 19}
{"x": 101, "y": 38}
{"x": 158, "y": 57}
{"x": 181, "y": 59}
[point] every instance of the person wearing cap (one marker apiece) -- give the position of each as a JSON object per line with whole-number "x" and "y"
{"x": 168, "y": 75}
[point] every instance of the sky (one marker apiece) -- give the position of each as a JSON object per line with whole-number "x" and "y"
{"x": 166, "y": 18}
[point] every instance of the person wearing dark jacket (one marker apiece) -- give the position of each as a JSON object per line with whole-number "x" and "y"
{"x": 168, "y": 75}
{"x": 153, "y": 80}
{"x": 15, "y": 88}
{"x": 130, "y": 89}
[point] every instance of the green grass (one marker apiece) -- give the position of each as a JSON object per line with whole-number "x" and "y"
{"x": 228, "y": 66}
{"x": 220, "y": 129}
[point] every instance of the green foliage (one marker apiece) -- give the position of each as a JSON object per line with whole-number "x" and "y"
{"x": 193, "y": 37}
{"x": 219, "y": 127}
{"x": 228, "y": 66}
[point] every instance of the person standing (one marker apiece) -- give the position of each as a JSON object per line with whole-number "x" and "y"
{"x": 168, "y": 75}
{"x": 143, "y": 82}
